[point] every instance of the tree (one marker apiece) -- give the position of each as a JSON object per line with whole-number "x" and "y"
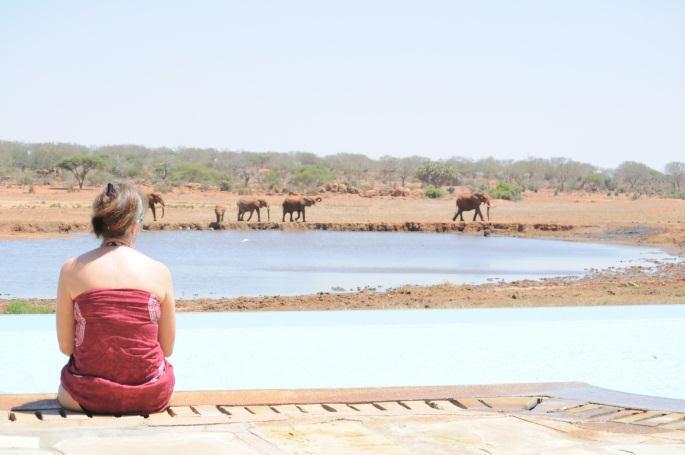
{"x": 81, "y": 165}
{"x": 437, "y": 173}
{"x": 676, "y": 170}
{"x": 388, "y": 166}
{"x": 407, "y": 167}
{"x": 636, "y": 177}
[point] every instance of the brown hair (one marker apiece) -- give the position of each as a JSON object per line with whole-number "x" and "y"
{"x": 115, "y": 209}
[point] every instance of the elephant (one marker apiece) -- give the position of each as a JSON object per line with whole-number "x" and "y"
{"x": 252, "y": 204}
{"x": 152, "y": 199}
{"x": 294, "y": 203}
{"x": 219, "y": 211}
{"x": 467, "y": 202}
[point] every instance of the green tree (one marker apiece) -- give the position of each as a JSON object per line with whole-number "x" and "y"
{"x": 437, "y": 173}
{"x": 81, "y": 165}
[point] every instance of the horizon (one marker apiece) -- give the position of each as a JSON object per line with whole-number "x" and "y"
{"x": 599, "y": 83}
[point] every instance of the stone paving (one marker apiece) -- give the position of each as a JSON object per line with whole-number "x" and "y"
{"x": 429, "y": 420}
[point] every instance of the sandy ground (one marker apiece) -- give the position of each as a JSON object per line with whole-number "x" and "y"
{"x": 53, "y": 211}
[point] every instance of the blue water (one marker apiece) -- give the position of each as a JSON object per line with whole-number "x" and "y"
{"x": 638, "y": 349}
{"x": 249, "y": 263}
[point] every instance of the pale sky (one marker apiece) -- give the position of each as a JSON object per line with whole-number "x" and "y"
{"x": 595, "y": 81}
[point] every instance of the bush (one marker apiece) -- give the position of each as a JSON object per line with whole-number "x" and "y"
{"x": 24, "y": 307}
{"x": 186, "y": 172}
{"x": 450, "y": 190}
{"x": 678, "y": 195}
{"x": 225, "y": 185}
{"x": 163, "y": 188}
{"x": 243, "y": 190}
{"x": 434, "y": 193}
{"x": 310, "y": 176}
{"x": 506, "y": 191}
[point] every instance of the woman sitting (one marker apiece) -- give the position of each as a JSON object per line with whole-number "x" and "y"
{"x": 116, "y": 317}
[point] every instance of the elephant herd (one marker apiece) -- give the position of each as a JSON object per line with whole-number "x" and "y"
{"x": 294, "y": 203}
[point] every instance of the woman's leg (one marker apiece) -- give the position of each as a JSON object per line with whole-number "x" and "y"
{"x": 67, "y": 401}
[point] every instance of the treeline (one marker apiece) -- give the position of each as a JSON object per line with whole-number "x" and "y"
{"x": 246, "y": 172}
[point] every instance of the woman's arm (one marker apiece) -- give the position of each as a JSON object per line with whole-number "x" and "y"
{"x": 167, "y": 320}
{"x": 64, "y": 311}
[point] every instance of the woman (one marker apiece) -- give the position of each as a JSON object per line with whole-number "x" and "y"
{"x": 116, "y": 317}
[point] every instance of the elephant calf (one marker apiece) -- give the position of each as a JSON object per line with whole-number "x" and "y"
{"x": 295, "y": 203}
{"x": 219, "y": 211}
{"x": 467, "y": 202}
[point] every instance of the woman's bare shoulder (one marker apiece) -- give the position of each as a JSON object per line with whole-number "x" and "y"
{"x": 152, "y": 265}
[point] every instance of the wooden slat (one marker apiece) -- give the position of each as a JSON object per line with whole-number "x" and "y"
{"x": 583, "y": 408}
{"x": 512, "y": 403}
{"x": 182, "y": 411}
{"x": 261, "y": 410}
{"x": 314, "y": 409}
{"x": 473, "y": 404}
{"x": 237, "y": 412}
{"x": 288, "y": 409}
{"x": 207, "y": 410}
{"x": 598, "y": 412}
{"x": 444, "y": 405}
{"x": 677, "y": 425}
{"x": 394, "y": 407}
{"x": 420, "y": 406}
{"x": 663, "y": 420}
{"x": 555, "y": 405}
{"x": 620, "y": 413}
{"x": 638, "y": 417}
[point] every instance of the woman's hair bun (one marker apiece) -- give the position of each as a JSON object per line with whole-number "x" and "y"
{"x": 115, "y": 209}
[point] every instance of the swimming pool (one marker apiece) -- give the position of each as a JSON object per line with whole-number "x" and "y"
{"x": 638, "y": 349}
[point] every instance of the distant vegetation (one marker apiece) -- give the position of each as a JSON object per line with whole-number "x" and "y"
{"x": 23, "y": 307}
{"x": 75, "y": 165}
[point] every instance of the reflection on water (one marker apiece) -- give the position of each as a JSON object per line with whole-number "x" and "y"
{"x": 230, "y": 263}
{"x": 637, "y": 349}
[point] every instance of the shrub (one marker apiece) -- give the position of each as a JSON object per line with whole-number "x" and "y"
{"x": 243, "y": 190}
{"x": 163, "y": 188}
{"x": 24, "y": 307}
{"x": 192, "y": 172}
{"x": 678, "y": 195}
{"x": 434, "y": 193}
{"x": 225, "y": 185}
{"x": 310, "y": 176}
{"x": 450, "y": 190}
{"x": 506, "y": 191}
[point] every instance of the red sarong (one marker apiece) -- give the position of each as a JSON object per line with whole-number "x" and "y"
{"x": 118, "y": 365}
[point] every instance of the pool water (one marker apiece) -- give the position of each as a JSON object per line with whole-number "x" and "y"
{"x": 638, "y": 349}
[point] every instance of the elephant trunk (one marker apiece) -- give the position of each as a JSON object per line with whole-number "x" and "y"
{"x": 268, "y": 215}
{"x": 162, "y": 209}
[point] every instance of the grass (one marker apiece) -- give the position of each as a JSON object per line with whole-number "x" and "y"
{"x": 24, "y": 307}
